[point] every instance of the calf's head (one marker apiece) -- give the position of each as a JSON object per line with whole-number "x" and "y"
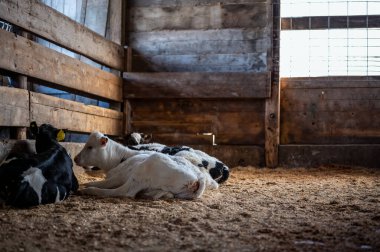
{"x": 94, "y": 152}
{"x": 46, "y": 135}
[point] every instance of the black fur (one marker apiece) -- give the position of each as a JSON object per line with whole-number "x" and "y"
{"x": 53, "y": 161}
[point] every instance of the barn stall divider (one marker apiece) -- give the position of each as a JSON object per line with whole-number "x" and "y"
{"x": 210, "y": 81}
{"x": 24, "y": 57}
{"x": 213, "y": 101}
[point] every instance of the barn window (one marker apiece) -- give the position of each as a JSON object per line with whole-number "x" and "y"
{"x": 330, "y": 38}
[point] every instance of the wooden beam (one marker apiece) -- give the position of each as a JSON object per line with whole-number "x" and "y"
{"x": 26, "y": 57}
{"x": 196, "y": 85}
{"x": 48, "y": 23}
{"x": 324, "y": 155}
{"x": 74, "y": 116}
{"x": 14, "y": 107}
{"x": 23, "y": 84}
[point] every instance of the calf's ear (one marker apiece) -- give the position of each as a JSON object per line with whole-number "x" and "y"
{"x": 33, "y": 128}
{"x": 60, "y": 135}
{"x": 103, "y": 141}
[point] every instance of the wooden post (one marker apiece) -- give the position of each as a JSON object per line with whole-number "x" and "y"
{"x": 272, "y": 105}
{"x": 114, "y": 32}
{"x": 128, "y": 59}
{"x": 22, "y": 82}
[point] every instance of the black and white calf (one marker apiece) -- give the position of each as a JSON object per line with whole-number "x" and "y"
{"x": 131, "y": 173}
{"x": 30, "y": 179}
{"x": 218, "y": 170}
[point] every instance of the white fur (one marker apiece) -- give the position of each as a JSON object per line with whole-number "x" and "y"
{"x": 36, "y": 180}
{"x": 149, "y": 174}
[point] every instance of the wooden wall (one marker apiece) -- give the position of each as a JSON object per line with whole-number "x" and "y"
{"x": 199, "y": 36}
{"x": 330, "y": 120}
{"x": 22, "y": 56}
{"x": 200, "y": 74}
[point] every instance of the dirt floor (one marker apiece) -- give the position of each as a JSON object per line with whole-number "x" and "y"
{"x": 325, "y": 209}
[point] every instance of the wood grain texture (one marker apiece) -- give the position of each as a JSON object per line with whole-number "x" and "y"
{"x": 74, "y": 116}
{"x": 231, "y": 121}
{"x": 240, "y": 62}
{"x": 324, "y": 155}
{"x": 26, "y": 57}
{"x": 214, "y": 16}
{"x": 333, "y": 112}
{"x": 196, "y": 85}
{"x": 221, "y": 50}
{"x": 56, "y": 27}
{"x": 14, "y": 107}
{"x": 272, "y": 105}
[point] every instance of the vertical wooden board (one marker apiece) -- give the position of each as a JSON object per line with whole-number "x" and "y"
{"x": 272, "y": 104}
{"x": 26, "y": 57}
{"x": 74, "y": 116}
{"x": 115, "y": 21}
{"x": 240, "y": 62}
{"x": 14, "y": 107}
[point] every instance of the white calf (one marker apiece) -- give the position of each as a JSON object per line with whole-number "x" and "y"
{"x": 130, "y": 173}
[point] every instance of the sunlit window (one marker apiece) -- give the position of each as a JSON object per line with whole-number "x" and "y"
{"x": 330, "y": 51}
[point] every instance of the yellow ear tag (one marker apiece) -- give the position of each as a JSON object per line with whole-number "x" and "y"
{"x": 60, "y": 135}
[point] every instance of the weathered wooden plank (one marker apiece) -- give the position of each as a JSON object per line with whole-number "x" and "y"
{"x": 249, "y": 62}
{"x": 231, "y": 121}
{"x": 330, "y": 115}
{"x": 171, "y": 3}
{"x": 56, "y": 27}
{"x": 216, "y": 16}
{"x": 196, "y": 85}
{"x": 201, "y": 47}
{"x": 114, "y": 22}
{"x": 232, "y": 34}
{"x": 272, "y": 105}
{"x": 14, "y": 107}
{"x": 74, "y": 116}
{"x": 322, "y": 155}
{"x": 29, "y": 58}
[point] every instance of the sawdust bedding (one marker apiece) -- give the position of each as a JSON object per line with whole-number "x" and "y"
{"x": 257, "y": 209}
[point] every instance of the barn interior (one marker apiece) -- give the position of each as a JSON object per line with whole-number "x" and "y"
{"x": 285, "y": 92}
